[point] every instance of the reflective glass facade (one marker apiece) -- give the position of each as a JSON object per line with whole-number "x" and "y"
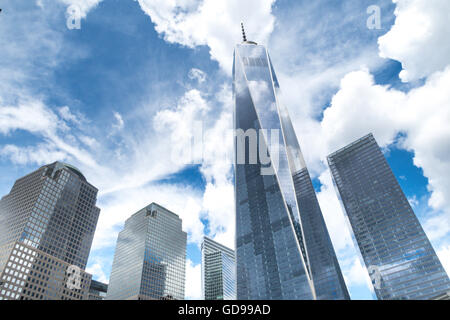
{"x": 326, "y": 272}
{"x": 398, "y": 255}
{"x": 218, "y": 271}
{"x": 47, "y": 223}
{"x": 273, "y": 256}
{"x": 150, "y": 257}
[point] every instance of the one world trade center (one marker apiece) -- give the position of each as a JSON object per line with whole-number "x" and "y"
{"x": 283, "y": 249}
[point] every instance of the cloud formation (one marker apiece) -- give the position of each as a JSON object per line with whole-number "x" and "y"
{"x": 419, "y": 37}
{"x": 212, "y": 23}
{"x": 35, "y": 117}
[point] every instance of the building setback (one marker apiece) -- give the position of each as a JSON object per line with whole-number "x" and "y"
{"x": 150, "y": 257}
{"x": 47, "y": 223}
{"x": 218, "y": 271}
{"x": 396, "y": 252}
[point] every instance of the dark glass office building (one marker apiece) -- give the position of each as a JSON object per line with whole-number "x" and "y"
{"x": 283, "y": 250}
{"x": 218, "y": 271}
{"x": 47, "y": 223}
{"x": 150, "y": 257}
{"x": 398, "y": 255}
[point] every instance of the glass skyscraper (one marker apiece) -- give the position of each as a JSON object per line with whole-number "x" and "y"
{"x": 150, "y": 257}
{"x": 398, "y": 255}
{"x": 47, "y": 223}
{"x": 218, "y": 271}
{"x": 283, "y": 250}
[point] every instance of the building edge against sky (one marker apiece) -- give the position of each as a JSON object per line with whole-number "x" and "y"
{"x": 47, "y": 226}
{"x": 392, "y": 243}
{"x": 150, "y": 257}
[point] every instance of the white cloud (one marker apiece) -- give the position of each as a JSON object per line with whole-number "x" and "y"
{"x": 444, "y": 255}
{"x": 41, "y": 154}
{"x": 360, "y": 107}
{"x": 193, "y": 287}
{"x": 84, "y": 5}
{"x": 89, "y": 141}
{"x": 30, "y": 115}
{"x": 219, "y": 206}
{"x": 195, "y": 110}
{"x": 181, "y": 125}
{"x": 419, "y": 37}
{"x": 357, "y": 275}
{"x": 119, "y": 121}
{"x": 212, "y": 23}
{"x": 413, "y": 200}
{"x": 437, "y": 226}
{"x": 218, "y": 198}
{"x": 66, "y": 114}
{"x": 97, "y": 272}
{"x": 33, "y": 116}
{"x": 197, "y": 74}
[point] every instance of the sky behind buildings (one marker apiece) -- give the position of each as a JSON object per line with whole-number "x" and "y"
{"x": 115, "y": 96}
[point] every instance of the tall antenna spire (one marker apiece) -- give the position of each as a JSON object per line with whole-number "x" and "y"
{"x": 243, "y": 32}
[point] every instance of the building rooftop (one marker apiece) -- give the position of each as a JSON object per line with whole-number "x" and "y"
{"x": 349, "y": 146}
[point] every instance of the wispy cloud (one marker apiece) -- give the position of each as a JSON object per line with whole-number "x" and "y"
{"x": 197, "y": 74}
{"x": 118, "y": 125}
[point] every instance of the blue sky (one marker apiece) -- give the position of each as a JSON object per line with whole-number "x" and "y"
{"x": 117, "y": 95}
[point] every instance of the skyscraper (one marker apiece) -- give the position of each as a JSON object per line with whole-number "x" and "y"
{"x": 218, "y": 271}
{"x": 398, "y": 255}
{"x": 283, "y": 250}
{"x": 47, "y": 223}
{"x": 150, "y": 257}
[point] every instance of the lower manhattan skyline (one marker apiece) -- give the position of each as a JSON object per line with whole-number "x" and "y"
{"x": 137, "y": 96}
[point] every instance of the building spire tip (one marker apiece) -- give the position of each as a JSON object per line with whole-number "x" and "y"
{"x": 243, "y": 32}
